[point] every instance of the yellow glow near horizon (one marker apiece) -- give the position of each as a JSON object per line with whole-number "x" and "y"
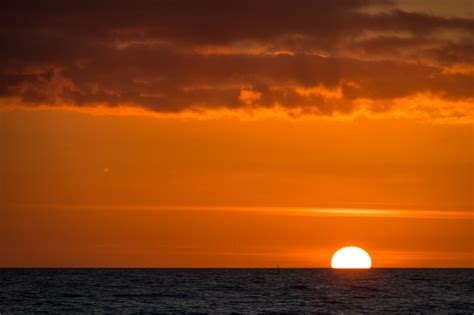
{"x": 351, "y": 257}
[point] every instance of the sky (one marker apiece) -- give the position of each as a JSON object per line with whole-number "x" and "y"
{"x": 236, "y": 133}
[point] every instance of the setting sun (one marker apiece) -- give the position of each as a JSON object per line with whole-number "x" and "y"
{"x": 351, "y": 258}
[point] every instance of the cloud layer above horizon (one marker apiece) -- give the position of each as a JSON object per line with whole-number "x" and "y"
{"x": 304, "y": 57}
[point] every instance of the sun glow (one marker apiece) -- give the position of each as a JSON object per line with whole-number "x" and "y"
{"x": 351, "y": 258}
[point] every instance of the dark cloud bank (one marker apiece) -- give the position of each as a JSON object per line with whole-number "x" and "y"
{"x": 169, "y": 56}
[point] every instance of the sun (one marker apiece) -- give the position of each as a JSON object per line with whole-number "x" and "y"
{"x": 351, "y": 257}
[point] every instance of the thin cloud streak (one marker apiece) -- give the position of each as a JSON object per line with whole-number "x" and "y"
{"x": 268, "y": 210}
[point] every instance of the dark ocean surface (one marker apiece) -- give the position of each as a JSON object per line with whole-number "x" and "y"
{"x": 236, "y": 290}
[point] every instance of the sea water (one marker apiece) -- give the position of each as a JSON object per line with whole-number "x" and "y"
{"x": 236, "y": 290}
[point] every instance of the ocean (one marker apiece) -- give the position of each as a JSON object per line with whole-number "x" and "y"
{"x": 236, "y": 290}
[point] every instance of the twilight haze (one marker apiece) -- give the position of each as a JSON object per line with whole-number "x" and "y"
{"x": 218, "y": 133}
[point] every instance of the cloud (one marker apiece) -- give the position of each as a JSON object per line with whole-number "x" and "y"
{"x": 249, "y": 96}
{"x": 318, "y": 57}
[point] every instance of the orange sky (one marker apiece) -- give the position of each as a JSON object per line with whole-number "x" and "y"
{"x": 147, "y": 138}
{"x": 82, "y": 190}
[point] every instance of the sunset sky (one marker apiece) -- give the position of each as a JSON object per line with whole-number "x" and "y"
{"x": 216, "y": 133}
